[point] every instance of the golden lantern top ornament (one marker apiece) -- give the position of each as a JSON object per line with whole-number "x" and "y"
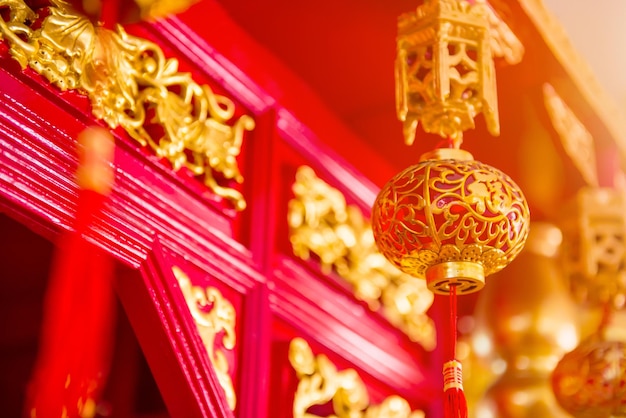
{"x": 444, "y": 69}
{"x": 448, "y": 219}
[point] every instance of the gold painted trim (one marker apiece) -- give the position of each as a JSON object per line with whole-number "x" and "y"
{"x": 321, "y": 383}
{"x": 447, "y": 154}
{"x": 577, "y": 69}
{"x": 576, "y": 139}
{"x": 131, "y": 83}
{"x": 466, "y": 276}
{"x": 214, "y": 316}
{"x": 322, "y": 224}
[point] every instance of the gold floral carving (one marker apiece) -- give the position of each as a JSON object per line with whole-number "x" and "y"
{"x": 321, "y": 223}
{"x": 576, "y": 139}
{"x": 131, "y": 84}
{"x": 215, "y": 317}
{"x": 321, "y": 383}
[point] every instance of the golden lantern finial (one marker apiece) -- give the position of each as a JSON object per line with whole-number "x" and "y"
{"x": 444, "y": 69}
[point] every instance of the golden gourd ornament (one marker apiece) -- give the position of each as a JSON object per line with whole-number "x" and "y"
{"x": 449, "y": 219}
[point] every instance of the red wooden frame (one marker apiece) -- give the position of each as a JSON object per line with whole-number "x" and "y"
{"x": 157, "y": 218}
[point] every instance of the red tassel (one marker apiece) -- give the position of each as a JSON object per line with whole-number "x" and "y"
{"x": 455, "y": 403}
{"x": 78, "y": 312}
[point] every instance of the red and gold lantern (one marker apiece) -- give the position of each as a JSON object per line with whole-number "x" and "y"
{"x": 451, "y": 220}
{"x": 590, "y": 381}
{"x": 448, "y": 219}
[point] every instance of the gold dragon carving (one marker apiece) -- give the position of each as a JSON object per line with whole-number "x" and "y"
{"x": 322, "y": 224}
{"x": 214, "y": 317}
{"x": 321, "y": 383}
{"x": 130, "y": 83}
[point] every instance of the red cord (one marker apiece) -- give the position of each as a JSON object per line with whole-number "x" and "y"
{"x": 446, "y": 143}
{"x": 453, "y": 320}
{"x": 455, "y": 404}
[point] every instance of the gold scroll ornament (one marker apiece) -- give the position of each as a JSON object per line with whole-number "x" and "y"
{"x": 214, "y": 316}
{"x": 321, "y": 383}
{"x": 131, "y": 84}
{"x": 322, "y": 224}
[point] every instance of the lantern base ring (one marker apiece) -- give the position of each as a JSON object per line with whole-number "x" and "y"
{"x": 467, "y": 276}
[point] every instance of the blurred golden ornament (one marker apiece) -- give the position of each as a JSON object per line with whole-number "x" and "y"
{"x": 215, "y": 319}
{"x": 131, "y": 11}
{"x": 590, "y": 381}
{"x": 452, "y": 220}
{"x": 163, "y": 8}
{"x": 576, "y": 139}
{"x": 595, "y": 247}
{"x": 525, "y": 322}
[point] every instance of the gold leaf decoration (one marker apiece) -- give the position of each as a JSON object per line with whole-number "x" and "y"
{"x": 322, "y": 224}
{"x": 131, "y": 84}
{"x": 214, "y": 316}
{"x": 576, "y": 139}
{"x": 321, "y": 383}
